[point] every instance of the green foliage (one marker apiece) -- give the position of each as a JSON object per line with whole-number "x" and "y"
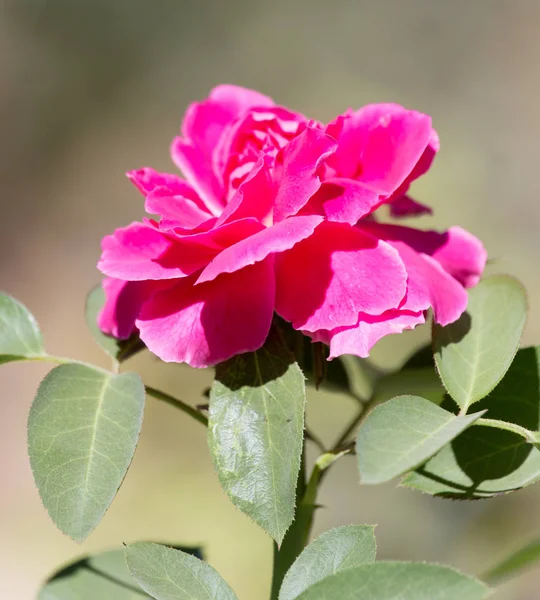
{"x": 85, "y": 422}
{"x": 103, "y": 576}
{"x": 401, "y": 434}
{"x": 256, "y": 433}
{"x": 120, "y": 350}
{"x": 20, "y": 337}
{"x": 333, "y": 551}
{"x": 82, "y": 431}
{"x": 485, "y": 461}
{"x": 512, "y": 565}
{"x": 169, "y": 574}
{"x": 394, "y": 580}
{"x": 473, "y": 354}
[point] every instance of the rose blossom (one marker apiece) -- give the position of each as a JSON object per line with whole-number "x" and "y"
{"x": 276, "y": 215}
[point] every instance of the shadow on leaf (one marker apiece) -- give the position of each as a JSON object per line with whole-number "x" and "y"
{"x": 453, "y": 333}
{"x": 256, "y": 369}
{"x": 483, "y": 461}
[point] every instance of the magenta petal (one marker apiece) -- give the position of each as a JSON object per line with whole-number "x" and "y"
{"x": 430, "y": 285}
{"x": 459, "y": 252}
{"x": 197, "y": 168}
{"x": 405, "y": 206}
{"x": 254, "y": 197}
{"x": 296, "y": 172}
{"x": 138, "y": 252}
{"x": 427, "y": 158}
{"x": 205, "y": 121}
{"x": 336, "y": 273}
{"x": 179, "y": 210}
{"x": 146, "y": 180}
{"x": 381, "y": 144}
{"x": 205, "y": 324}
{"x": 345, "y": 200}
{"x": 463, "y": 256}
{"x": 123, "y": 302}
{"x": 238, "y": 99}
{"x": 278, "y": 238}
{"x": 170, "y": 197}
{"x": 214, "y": 239}
{"x": 203, "y": 126}
{"x": 141, "y": 251}
{"x": 360, "y": 339}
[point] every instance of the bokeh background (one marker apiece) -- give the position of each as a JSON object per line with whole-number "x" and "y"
{"x": 92, "y": 88}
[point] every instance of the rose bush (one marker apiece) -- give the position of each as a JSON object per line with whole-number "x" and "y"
{"x": 276, "y": 214}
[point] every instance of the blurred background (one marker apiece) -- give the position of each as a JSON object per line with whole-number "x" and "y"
{"x": 90, "y": 89}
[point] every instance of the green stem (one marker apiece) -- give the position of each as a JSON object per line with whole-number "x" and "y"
{"x": 529, "y": 435}
{"x": 357, "y": 421}
{"x": 177, "y": 403}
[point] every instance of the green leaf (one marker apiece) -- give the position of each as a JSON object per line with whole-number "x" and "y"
{"x": 104, "y": 576}
{"x": 333, "y": 551}
{"x": 256, "y": 433}
{"x": 82, "y": 431}
{"x": 168, "y": 574}
{"x": 20, "y": 337}
{"x": 397, "y": 581}
{"x": 485, "y": 461}
{"x": 120, "y": 350}
{"x": 512, "y": 565}
{"x": 474, "y": 353}
{"x": 401, "y": 434}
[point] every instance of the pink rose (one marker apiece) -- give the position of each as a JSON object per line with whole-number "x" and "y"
{"x": 276, "y": 215}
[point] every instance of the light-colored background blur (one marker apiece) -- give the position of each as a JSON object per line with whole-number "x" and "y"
{"x": 92, "y": 88}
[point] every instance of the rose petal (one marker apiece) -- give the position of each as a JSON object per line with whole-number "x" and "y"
{"x": 430, "y": 285}
{"x": 146, "y": 180}
{"x": 344, "y": 200}
{"x": 459, "y": 252}
{"x": 254, "y": 197}
{"x": 197, "y": 168}
{"x": 360, "y": 338}
{"x": 123, "y": 302}
{"x": 405, "y": 206}
{"x": 327, "y": 279}
{"x": 428, "y": 156}
{"x": 134, "y": 253}
{"x": 202, "y": 128}
{"x": 177, "y": 210}
{"x": 278, "y": 238}
{"x": 296, "y": 171}
{"x": 402, "y": 205}
{"x": 237, "y": 99}
{"x": 428, "y": 282}
{"x": 170, "y": 197}
{"x": 380, "y": 145}
{"x": 205, "y": 324}
{"x": 141, "y": 251}
{"x": 463, "y": 256}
